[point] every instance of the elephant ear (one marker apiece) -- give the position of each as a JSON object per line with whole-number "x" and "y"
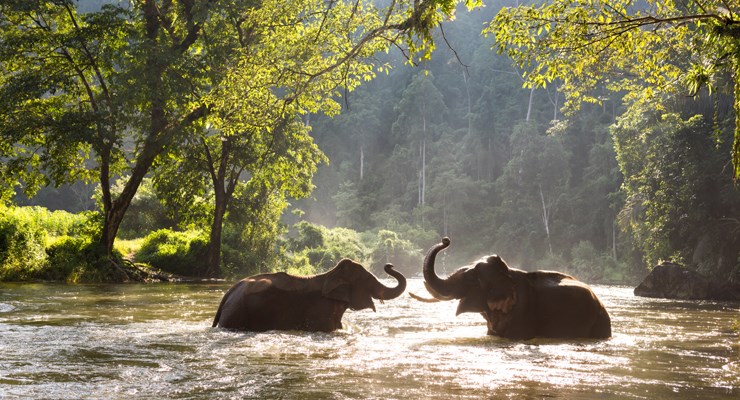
{"x": 361, "y": 300}
{"x": 498, "y": 285}
{"x": 472, "y": 296}
{"x": 502, "y": 304}
{"x": 474, "y": 301}
{"x": 341, "y": 290}
{"x": 337, "y": 289}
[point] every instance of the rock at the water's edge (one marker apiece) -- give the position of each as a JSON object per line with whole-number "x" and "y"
{"x": 673, "y": 281}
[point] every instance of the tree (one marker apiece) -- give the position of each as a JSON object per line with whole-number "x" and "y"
{"x": 280, "y": 161}
{"x": 681, "y": 205}
{"x": 421, "y": 112}
{"x": 124, "y": 85}
{"x": 532, "y": 188}
{"x": 645, "y": 48}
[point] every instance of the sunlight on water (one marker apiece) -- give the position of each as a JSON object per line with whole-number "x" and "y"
{"x": 155, "y": 341}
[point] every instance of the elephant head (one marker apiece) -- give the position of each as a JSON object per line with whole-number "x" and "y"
{"x": 351, "y": 283}
{"x": 485, "y": 287}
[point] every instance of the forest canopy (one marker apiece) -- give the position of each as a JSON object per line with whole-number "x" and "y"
{"x": 588, "y": 137}
{"x": 646, "y": 48}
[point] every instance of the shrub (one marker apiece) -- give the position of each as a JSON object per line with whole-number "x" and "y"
{"x": 181, "y": 253}
{"x": 249, "y": 248}
{"x": 590, "y": 265}
{"x": 552, "y": 262}
{"x": 299, "y": 265}
{"x": 81, "y": 260}
{"x": 308, "y": 236}
{"x": 22, "y": 242}
{"x": 36, "y": 244}
{"x": 390, "y": 248}
{"x": 322, "y": 247}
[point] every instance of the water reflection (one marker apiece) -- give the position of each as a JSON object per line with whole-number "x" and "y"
{"x": 144, "y": 341}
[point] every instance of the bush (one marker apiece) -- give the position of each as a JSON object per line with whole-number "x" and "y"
{"x": 553, "y": 262}
{"x": 308, "y": 236}
{"x": 390, "y": 248}
{"x": 22, "y": 243}
{"x": 64, "y": 256}
{"x": 181, "y": 253}
{"x": 249, "y": 248}
{"x": 321, "y": 247}
{"x": 81, "y": 260}
{"x": 299, "y": 265}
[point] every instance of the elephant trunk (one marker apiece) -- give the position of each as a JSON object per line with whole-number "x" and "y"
{"x": 438, "y": 287}
{"x": 383, "y": 292}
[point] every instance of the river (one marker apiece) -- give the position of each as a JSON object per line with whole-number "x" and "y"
{"x": 143, "y": 341}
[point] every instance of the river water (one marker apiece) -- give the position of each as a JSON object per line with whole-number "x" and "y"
{"x": 155, "y": 341}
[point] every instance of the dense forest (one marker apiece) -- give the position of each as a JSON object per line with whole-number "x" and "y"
{"x": 455, "y": 145}
{"x": 458, "y": 147}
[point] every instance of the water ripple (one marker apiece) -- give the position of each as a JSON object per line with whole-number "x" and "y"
{"x": 155, "y": 341}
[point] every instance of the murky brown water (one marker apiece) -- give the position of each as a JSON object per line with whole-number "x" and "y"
{"x": 155, "y": 341}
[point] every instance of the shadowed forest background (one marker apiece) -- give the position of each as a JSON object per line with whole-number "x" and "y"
{"x": 454, "y": 146}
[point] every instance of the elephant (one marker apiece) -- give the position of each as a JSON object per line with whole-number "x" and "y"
{"x": 280, "y": 301}
{"x": 520, "y": 305}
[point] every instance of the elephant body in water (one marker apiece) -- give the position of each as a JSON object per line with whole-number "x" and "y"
{"x": 520, "y": 305}
{"x": 279, "y": 301}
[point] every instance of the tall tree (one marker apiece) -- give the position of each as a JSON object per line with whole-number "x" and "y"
{"x": 421, "y": 111}
{"x": 532, "y": 188}
{"x": 680, "y": 202}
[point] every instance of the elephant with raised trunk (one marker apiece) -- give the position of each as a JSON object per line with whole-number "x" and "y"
{"x": 517, "y": 304}
{"x": 279, "y": 301}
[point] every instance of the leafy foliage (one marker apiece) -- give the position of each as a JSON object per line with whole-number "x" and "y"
{"x": 389, "y": 247}
{"x": 22, "y": 244}
{"x": 79, "y": 88}
{"x": 36, "y": 244}
{"x": 250, "y": 242}
{"x": 681, "y": 204}
{"x": 643, "y": 48}
{"x": 180, "y": 253}
{"x": 487, "y": 162}
{"x": 323, "y": 247}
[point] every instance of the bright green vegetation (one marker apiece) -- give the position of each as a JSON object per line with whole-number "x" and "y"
{"x": 36, "y": 244}
{"x": 42, "y": 245}
{"x": 639, "y": 172}
{"x": 205, "y": 93}
{"x": 676, "y": 66}
{"x": 647, "y": 49}
{"x": 598, "y": 141}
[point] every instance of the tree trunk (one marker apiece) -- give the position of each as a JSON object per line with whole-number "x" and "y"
{"x": 546, "y": 219}
{"x": 529, "y": 107}
{"x": 362, "y": 161}
{"x": 213, "y": 260}
{"x": 444, "y": 218}
{"x": 223, "y": 188}
{"x": 614, "y": 239}
{"x": 470, "y": 107}
{"x": 116, "y": 209}
{"x": 423, "y": 171}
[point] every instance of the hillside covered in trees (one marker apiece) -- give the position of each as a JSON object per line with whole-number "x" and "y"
{"x": 458, "y": 147}
{"x": 454, "y": 145}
